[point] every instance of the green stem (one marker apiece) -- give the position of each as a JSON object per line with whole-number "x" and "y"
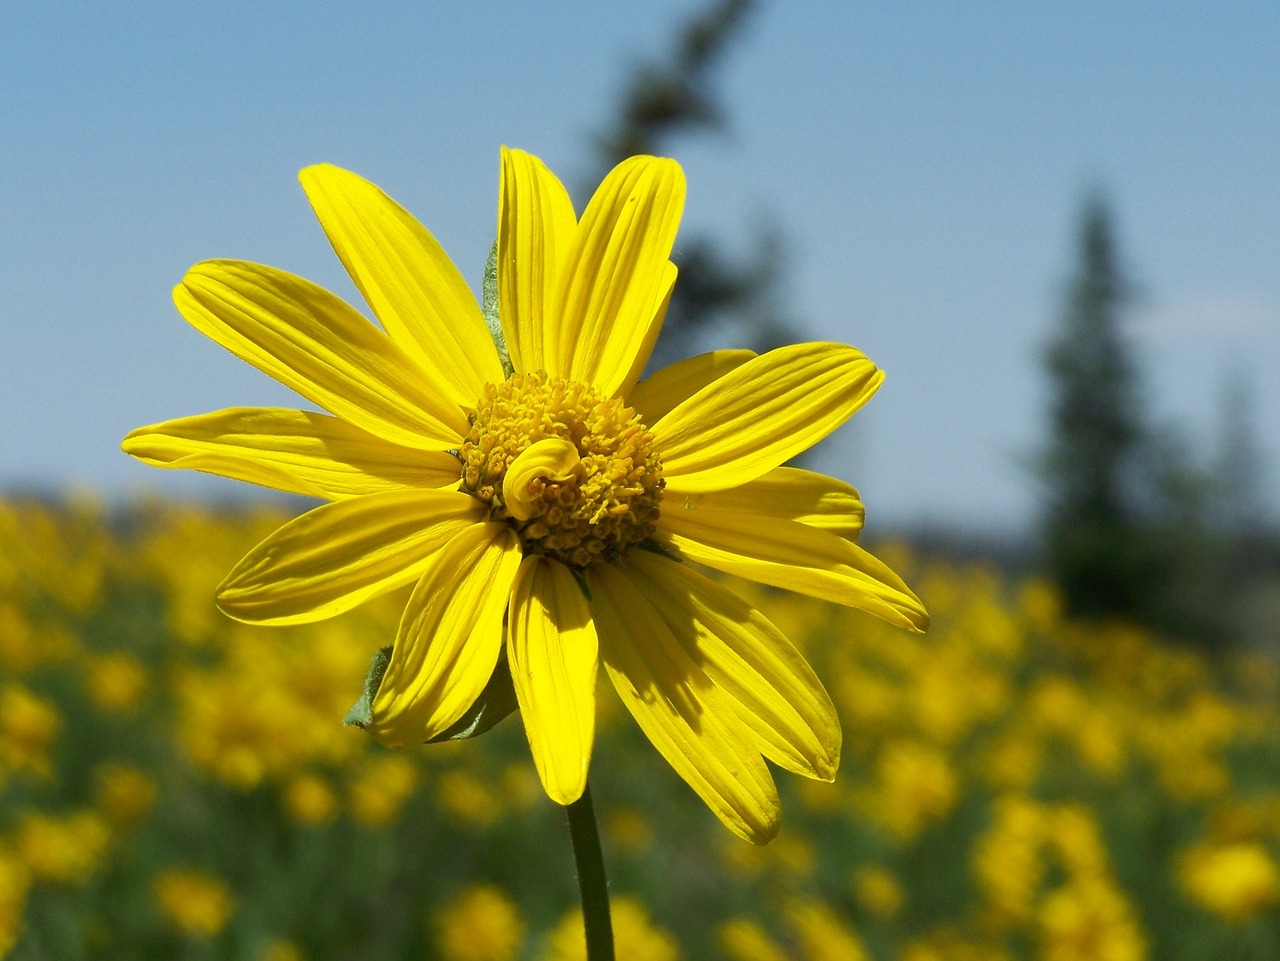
{"x": 592, "y": 885}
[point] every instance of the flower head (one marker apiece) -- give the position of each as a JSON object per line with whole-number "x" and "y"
{"x": 550, "y": 508}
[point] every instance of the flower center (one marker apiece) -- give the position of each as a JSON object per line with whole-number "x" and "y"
{"x": 573, "y": 472}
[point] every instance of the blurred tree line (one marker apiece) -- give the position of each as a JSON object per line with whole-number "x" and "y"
{"x": 1139, "y": 521}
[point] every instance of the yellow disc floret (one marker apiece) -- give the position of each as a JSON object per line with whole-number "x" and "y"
{"x": 574, "y": 472}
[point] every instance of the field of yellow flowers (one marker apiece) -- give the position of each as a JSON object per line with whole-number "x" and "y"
{"x": 1014, "y": 786}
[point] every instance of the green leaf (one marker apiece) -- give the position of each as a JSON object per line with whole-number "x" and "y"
{"x": 489, "y": 304}
{"x": 496, "y": 701}
{"x": 361, "y": 713}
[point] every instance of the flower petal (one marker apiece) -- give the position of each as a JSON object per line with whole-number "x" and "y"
{"x": 536, "y": 224}
{"x": 786, "y": 493}
{"x": 408, "y": 280}
{"x": 615, "y": 272}
{"x": 679, "y": 709}
{"x": 776, "y": 695}
{"x": 792, "y": 556}
{"x": 552, "y": 650}
{"x": 297, "y": 451}
{"x": 654, "y": 396}
{"x": 760, "y": 414}
{"x": 340, "y": 554}
{"x": 313, "y": 342}
{"x": 665, "y": 288}
{"x": 450, "y": 637}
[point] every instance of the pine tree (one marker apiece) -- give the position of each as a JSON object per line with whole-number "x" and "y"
{"x": 1094, "y": 534}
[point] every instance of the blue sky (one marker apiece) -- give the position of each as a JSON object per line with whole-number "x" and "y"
{"x": 926, "y": 161}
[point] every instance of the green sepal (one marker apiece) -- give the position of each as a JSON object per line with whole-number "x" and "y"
{"x": 489, "y": 305}
{"x": 361, "y": 713}
{"x": 496, "y": 701}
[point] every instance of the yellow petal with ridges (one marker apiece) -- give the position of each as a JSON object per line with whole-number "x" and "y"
{"x": 786, "y": 493}
{"x": 296, "y": 451}
{"x": 793, "y": 556}
{"x": 313, "y": 342}
{"x": 665, "y": 289}
{"x": 776, "y": 695}
{"x": 409, "y": 282}
{"x": 536, "y": 224}
{"x": 450, "y": 637}
{"x": 654, "y": 396}
{"x": 552, "y": 651}
{"x": 761, "y": 414}
{"x": 340, "y": 554}
{"x": 615, "y": 272}
{"x": 679, "y": 709}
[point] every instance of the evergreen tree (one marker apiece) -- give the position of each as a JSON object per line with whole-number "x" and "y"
{"x": 1095, "y": 534}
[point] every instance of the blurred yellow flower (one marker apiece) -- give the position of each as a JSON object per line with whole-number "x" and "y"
{"x": 28, "y": 726}
{"x": 822, "y": 935}
{"x": 282, "y": 951}
{"x": 124, "y": 793}
{"x": 635, "y": 937}
{"x": 744, "y": 940}
{"x": 549, "y": 488}
{"x": 196, "y": 902}
{"x": 1236, "y": 881}
{"x": 310, "y": 799}
{"x": 15, "y": 881}
{"x": 1090, "y": 921}
{"x": 482, "y": 924}
{"x": 64, "y": 850}
{"x": 115, "y": 681}
{"x": 379, "y": 789}
{"x": 467, "y": 798}
{"x": 877, "y": 891}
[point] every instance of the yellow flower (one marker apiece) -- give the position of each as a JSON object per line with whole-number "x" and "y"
{"x": 28, "y": 726}
{"x": 15, "y": 882}
{"x": 822, "y": 935}
{"x": 198, "y": 903}
{"x": 877, "y": 891}
{"x": 1235, "y": 881}
{"x": 64, "y": 850}
{"x": 1089, "y": 922}
{"x": 380, "y": 789}
{"x": 124, "y": 793}
{"x": 309, "y": 799}
{"x": 481, "y": 925}
{"x": 560, "y": 494}
{"x": 635, "y": 936}
{"x": 744, "y": 940}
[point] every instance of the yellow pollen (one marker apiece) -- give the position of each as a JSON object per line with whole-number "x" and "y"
{"x": 573, "y": 472}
